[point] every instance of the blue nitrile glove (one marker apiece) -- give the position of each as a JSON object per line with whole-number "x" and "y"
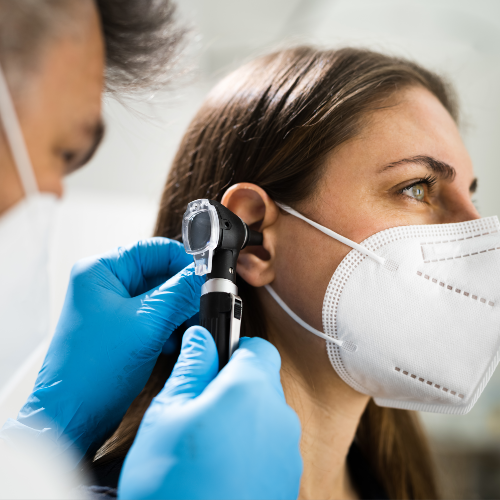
{"x": 230, "y": 436}
{"x": 118, "y": 313}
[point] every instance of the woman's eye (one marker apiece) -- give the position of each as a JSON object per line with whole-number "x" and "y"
{"x": 68, "y": 156}
{"x": 416, "y": 191}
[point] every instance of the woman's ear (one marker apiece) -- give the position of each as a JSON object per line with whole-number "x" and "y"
{"x": 252, "y": 204}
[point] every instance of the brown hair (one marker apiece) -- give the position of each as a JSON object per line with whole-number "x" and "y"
{"x": 271, "y": 123}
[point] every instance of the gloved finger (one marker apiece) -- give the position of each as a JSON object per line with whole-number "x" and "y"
{"x": 138, "y": 265}
{"x": 172, "y": 303}
{"x": 257, "y": 361}
{"x": 196, "y": 367}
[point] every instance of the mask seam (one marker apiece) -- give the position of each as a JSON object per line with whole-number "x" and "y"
{"x": 333, "y": 350}
{"x": 460, "y": 291}
{"x": 458, "y": 239}
{"x": 428, "y": 382}
{"x": 412, "y": 231}
{"x": 460, "y": 256}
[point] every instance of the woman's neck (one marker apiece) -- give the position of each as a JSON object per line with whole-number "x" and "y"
{"x": 329, "y": 410}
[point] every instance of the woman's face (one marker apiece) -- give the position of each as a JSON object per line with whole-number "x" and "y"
{"x": 407, "y": 166}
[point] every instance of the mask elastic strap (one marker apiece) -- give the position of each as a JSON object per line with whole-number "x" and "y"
{"x": 333, "y": 234}
{"x": 15, "y": 138}
{"x": 345, "y": 344}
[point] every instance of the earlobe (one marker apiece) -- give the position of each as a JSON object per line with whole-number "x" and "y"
{"x": 253, "y": 205}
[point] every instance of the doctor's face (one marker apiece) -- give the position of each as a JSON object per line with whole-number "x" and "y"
{"x": 408, "y": 165}
{"x": 59, "y": 109}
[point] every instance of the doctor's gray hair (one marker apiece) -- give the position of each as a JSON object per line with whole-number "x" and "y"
{"x": 142, "y": 38}
{"x": 143, "y": 43}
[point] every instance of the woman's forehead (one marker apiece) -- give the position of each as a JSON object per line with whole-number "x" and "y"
{"x": 413, "y": 123}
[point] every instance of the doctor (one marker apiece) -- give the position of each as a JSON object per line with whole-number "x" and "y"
{"x": 230, "y": 435}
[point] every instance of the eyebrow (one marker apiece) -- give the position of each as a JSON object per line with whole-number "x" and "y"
{"x": 439, "y": 168}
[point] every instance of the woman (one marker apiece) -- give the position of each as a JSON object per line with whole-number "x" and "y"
{"x": 358, "y": 142}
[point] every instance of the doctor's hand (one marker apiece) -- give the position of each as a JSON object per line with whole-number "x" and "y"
{"x": 226, "y": 436}
{"x": 119, "y": 311}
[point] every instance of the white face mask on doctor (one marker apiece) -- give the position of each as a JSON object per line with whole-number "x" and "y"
{"x": 24, "y": 238}
{"x": 412, "y": 314}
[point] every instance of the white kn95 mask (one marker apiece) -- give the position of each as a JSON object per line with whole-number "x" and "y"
{"x": 412, "y": 314}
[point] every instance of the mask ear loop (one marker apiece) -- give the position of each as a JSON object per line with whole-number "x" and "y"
{"x": 15, "y": 139}
{"x": 333, "y": 234}
{"x": 345, "y": 344}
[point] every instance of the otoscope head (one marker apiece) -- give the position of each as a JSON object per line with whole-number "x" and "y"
{"x": 214, "y": 236}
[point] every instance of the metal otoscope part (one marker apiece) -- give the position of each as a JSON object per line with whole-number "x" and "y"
{"x": 214, "y": 236}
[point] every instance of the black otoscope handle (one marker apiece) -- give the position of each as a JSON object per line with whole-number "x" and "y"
{"x": 220, "y": 314}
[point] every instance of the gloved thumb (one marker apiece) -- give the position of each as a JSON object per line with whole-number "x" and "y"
{"x": 256, "y": 361}
{"x": 196, "y": 367}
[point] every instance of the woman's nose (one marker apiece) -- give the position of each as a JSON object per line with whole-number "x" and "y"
{"x": 460, "y": 213}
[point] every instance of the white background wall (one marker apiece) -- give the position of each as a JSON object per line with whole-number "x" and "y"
{"x": 114, "y": 200}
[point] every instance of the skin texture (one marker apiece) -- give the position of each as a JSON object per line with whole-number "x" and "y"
{"x": 60, "y": 108}
{"x": 359, "y": 194}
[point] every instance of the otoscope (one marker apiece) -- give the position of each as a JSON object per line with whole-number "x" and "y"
{"x": 214, "y": 236}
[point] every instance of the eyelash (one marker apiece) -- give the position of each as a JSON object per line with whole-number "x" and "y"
{"x": 428, "y": 180}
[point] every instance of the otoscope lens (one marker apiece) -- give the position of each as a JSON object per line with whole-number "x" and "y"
{"x": 199, "y": 231}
